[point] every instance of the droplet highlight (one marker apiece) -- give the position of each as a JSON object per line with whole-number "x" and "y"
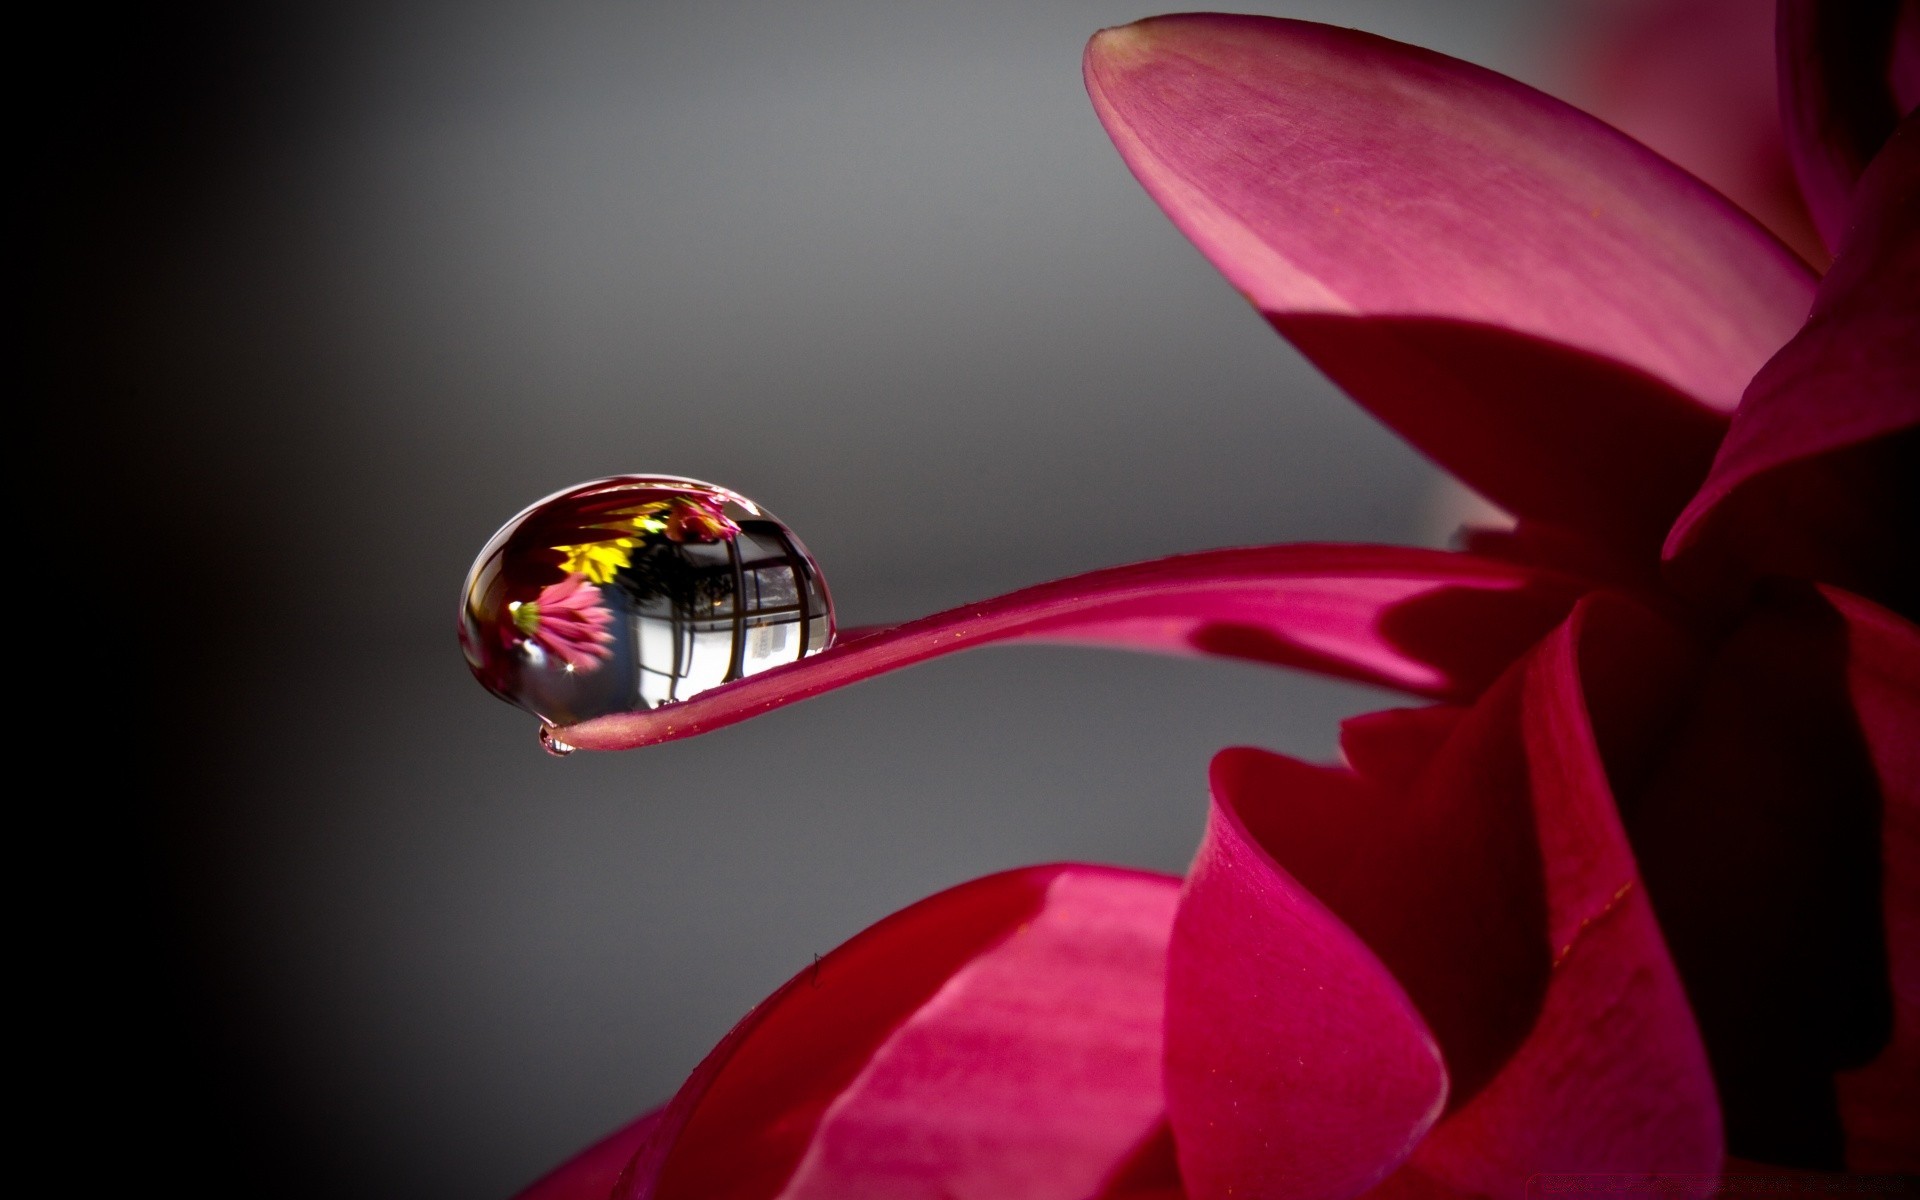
{"x": 629, "y": 593}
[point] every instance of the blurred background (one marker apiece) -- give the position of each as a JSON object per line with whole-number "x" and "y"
{"x": 322, "y": 296}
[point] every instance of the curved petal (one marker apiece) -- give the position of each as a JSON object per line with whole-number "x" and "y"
{"x": 1840, "y": 71}
{"x": 1611, "y": 1069}
{"x": 1427, "y": 622}
{"x": 1880, "y": 1102}
{"x": 1816, "y": 475}
{"x": 1478, "y": 853}
{"x": 1542, "y": 305}
{"x": 1696, "y": 81}
{"x": 999, "y": 1039}
{"x": 1296, "y": 1065}
{"x": 1759, "y": 837}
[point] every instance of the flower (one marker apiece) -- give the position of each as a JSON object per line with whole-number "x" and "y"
{"x": 1639, "y": 888}
{"x": 692, "y": 521}
{"x": 598, "y": 562}
{"x": 1694, "y": 80}
{"x": 567, "y": 620}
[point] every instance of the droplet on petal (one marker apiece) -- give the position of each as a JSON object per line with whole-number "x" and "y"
{"x": 553, "y": 745}
{"x": 624, "y": 594}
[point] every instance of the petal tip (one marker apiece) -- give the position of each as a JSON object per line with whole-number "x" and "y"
{"x": 1119, "y": 43}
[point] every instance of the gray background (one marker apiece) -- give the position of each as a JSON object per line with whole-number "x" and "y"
{"x": 350, "y": 286}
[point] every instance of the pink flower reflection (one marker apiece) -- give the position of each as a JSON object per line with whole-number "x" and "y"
{"x": 568, "y": 621}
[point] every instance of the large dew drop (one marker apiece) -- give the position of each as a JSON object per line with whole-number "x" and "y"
{"x": 628, "y": 593}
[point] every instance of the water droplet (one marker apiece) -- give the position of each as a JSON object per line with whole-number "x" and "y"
{"x": 553, "y": 745}
{"x": 624, "y": 594}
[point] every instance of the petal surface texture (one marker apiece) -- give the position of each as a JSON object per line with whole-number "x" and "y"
{"x": 1423, "y": 621}
{"x": 1296, "y": 1064}
{"x": 1696, "y": 81}
{"x": 1817, "y": 475}
{"x": 1842, "y": 92}
{"x": 1479, "y": 855}
{"x": 1002, "y": 1039}
{"x": 1610, "y": 1069}
{"x": 1545, "y": 307}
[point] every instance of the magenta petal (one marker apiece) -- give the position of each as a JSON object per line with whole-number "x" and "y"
{"x": 1696, "y": 81}
{"x": 1296, "y": 1065}
{"x": 1480, "y": 856}
{"x": 999, "y": 1039}
{"x": 1426, "y": 622}
{"x": 1843, "y": 88}
{"x": 1033, "y": 1072}
{"x": 1544, "y": 306}
{"x": 1880, "y": 1102}
{"x": 1435, "y": 867}
{"x": 1151, "y": 1173}
{"x": 1611, "y": 1072}
{"x": 1816, "y": 477}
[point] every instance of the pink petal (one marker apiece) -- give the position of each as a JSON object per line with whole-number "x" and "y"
{"x": 568, "y": 589}
{"x": 592, "y": 1173}
{"x": 580, "y": 658}
{"x": 1152, "y": 1173}
{"x": 1545, "y": 307}
{"x": 1032, "y": 1073}
{"x": 1426, "y": 622}
{"x": 1696, "y": 82}
{"x": 579, "y": 633}
{"x": 1843, "y": 69}
{"x": 1296, "y": 1065}
{"x": 1479, "y": 855}
{"x": 1816, "y": 477}
{"x": 1880, "y": 1103}
{"x": 1759, "y": 837}
{"x": 1610, "y": 1072}
{"x": 998, "y": 1039}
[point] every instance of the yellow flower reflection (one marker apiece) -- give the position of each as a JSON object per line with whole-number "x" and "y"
{"x": 598, "y": 560}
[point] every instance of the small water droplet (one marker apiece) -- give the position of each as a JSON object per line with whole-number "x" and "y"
{"x": 553, "y": 745}
{"x": 629, "y": 593}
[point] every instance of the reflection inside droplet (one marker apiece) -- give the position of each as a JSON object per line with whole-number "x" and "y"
{"x": 628, "y": 593}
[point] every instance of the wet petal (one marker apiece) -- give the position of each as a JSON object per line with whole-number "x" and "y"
{"x": 1880, "y": 1102}
{"x": 1001, "y": 1039}
{"x": 1842, "y": 90}
{"x": 1816, "y": 476}
{"x": 1759, "y": 836}
{"x": 1548, "y": 309}
{"x": 1426, "y": 622}
{"x": 1296, "y": 1065}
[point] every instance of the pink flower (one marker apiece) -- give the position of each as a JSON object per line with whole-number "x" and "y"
{"x": 1640, "y": 888}
{"x": 568, "y": 621}
{"x": 1694, "y": 80}
{"x": 692, "y": 521}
